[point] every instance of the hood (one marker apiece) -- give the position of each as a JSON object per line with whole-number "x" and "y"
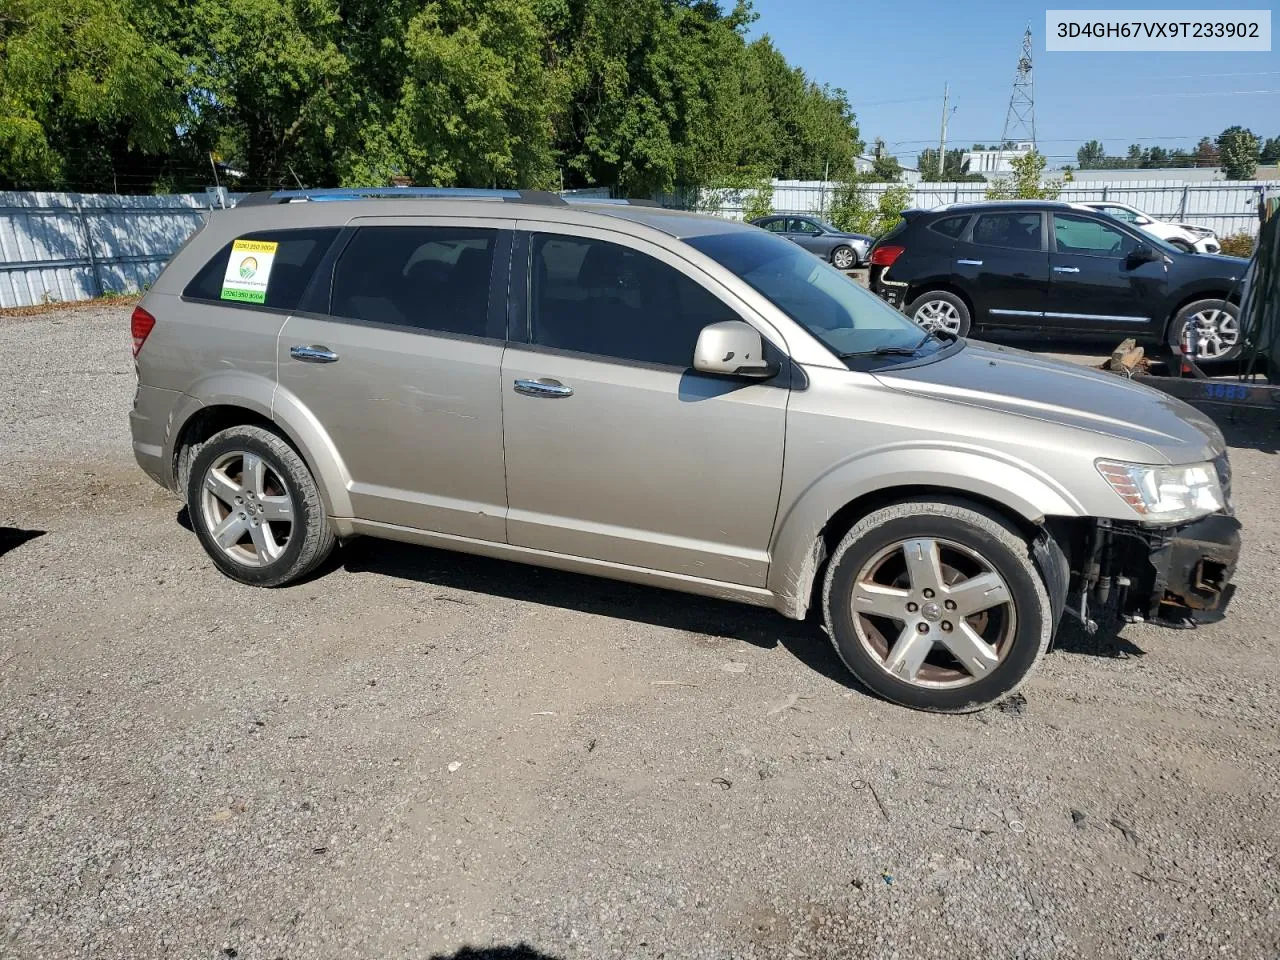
{"x": 1218, "y": 265}
{"x": 1016, "y": 382}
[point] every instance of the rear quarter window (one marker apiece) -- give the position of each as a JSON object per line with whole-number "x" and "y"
{"x": 950, "y": 226}
{"x": 297, "y": 255}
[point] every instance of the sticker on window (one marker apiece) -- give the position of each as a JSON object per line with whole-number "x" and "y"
{"x": 248, "y": 270}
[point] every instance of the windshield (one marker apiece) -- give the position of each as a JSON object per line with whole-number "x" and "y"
{"x": 835, "y": 309}
{"x": 828, "y": 227}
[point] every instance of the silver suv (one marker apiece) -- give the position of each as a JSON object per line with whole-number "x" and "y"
{"x": 669, "y": 399}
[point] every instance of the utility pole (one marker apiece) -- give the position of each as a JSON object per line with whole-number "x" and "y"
{"x": 942, "y": 140}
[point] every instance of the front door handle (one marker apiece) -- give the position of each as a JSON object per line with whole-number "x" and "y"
{"x": 544, "y": 387}
{"x": 969, "y": 263}
{"x": 1066, "y": 269}
{"x": 313, "y": 354}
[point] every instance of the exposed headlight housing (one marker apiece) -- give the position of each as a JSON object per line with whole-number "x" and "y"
{"x": 1161, "y": 494}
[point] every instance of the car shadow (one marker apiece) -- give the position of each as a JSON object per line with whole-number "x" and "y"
{"x": 13, "y": 537}
{"x": 1106, "y": 642}
{"x": 519, "y": 951}
{"x": 722, "y": 619}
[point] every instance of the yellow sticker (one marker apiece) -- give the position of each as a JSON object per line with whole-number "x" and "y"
{"x": 249, "y": 270}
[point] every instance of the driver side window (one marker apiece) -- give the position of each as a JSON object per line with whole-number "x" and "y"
{"x": 805, "y": 227}
{"x": 1091, "y": 238}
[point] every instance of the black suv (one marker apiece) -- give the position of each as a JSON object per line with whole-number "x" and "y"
{"x": 1055, "y": 268}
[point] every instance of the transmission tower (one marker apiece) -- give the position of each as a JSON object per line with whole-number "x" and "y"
{"x": 1020, "y": 120}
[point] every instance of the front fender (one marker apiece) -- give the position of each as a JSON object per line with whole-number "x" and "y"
{"x": 798, "y": 549}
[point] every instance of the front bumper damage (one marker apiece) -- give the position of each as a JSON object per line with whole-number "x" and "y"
{"x": 1173, "y": 576}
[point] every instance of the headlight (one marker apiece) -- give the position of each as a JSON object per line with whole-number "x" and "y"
{"x": 1166, "y": 494}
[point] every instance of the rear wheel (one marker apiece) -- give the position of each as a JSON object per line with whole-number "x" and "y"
{"x": 1215, "y": 328}
{"x": 843, "y": 258}
{"x": 936, "y": 606}
{"x": 256, "y": 508}
{"x": 940, "y": 310}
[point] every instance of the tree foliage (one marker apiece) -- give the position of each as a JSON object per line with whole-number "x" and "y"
{"x": 1238, "y": 150}
{"x": 647, "y": 96}
{"x": 1026, "y": 182}
{"x": 854, "y": 210}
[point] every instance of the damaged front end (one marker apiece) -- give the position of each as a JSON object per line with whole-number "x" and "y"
{"x": 1175, "y": 576}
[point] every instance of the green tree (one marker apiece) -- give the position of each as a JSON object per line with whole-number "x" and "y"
{"x": 85, "y": 95}
{"x": 1091, "y": 156}
{"x": 1206, "y": 153}
{"x": 1270, "y": 150}
{"x": 1238, "y": 151}
{"x": 1026, "y": 182}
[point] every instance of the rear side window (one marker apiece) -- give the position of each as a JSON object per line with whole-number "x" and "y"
{"x": 430, "y": 277}
{"x": 949, "y": 226}
{"x": 1016, "y": 231}
{"x": 601, "y": 298}
{"x": 295, "y": 257}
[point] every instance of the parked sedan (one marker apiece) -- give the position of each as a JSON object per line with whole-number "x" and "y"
{"x": 844, "y": 250}
{"x": 1056, "y": 268}
{"x": 1185, "y": 236}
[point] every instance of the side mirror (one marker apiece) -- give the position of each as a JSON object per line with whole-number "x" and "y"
{"x": 1141, "y": 221}
{"x": 1143, "y": 254}
{"x": 732, "y": 348}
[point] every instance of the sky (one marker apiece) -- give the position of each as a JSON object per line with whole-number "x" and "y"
{"x": 893, "y": 58}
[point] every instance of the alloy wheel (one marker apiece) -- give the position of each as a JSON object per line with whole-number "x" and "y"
{"x": 246, "y": 508}
{"x": 1215, "y": 332}
{"x": 938, "y": 315}
{"x": 843, "y": 258}
{"x": 933, "y": 613}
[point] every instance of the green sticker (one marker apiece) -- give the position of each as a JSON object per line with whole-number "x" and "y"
{"x": 249, "y": 271}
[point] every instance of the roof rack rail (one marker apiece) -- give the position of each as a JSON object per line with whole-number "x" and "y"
{"x": 615, "y": 201}
{"x": 323, "y": 194}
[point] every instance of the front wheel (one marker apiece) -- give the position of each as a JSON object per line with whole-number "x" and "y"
{"x": 940, "y": 310}
{"x": 1181, "y": 245}
{"x": 1214, "y": 326}
{"x": 256, "y": 508}
{"x": 843, "y": 258}
{"x": 936, "y": 606}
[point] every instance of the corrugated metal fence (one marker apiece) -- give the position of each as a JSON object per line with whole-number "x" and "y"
{"x": 1224, "y": 206}
{"x": 72, "y": 246}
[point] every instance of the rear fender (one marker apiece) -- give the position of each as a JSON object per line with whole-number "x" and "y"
{"x": 261, "y": 396}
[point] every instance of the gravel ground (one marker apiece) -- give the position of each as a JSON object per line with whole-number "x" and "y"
{"x": 422, "y": 754}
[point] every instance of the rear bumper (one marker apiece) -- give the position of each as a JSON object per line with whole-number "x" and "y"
{"x": 149, "y": 427}
{"x": 1177, "y": 576}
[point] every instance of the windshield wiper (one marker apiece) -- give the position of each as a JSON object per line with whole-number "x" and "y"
{"x": 882, "y": 352}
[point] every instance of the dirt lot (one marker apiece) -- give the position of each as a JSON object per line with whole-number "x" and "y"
{"x": 419, "y": 752}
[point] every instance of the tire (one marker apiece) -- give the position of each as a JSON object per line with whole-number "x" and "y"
{"x": 283, "y": 531}
{"x": 1219, "y": 323}
{"x": 1181, "y": 245}
{"x": 1005, "y": 639}
{"x": 942, "y": 310}
{"x": 843, "y": 257}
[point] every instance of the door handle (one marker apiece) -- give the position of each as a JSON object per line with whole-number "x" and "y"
{"x": 313, "y": 354}
{"x": 970, "y": 263}
{"x": 544, "y": 387}
{"x": 1066, "y": 269}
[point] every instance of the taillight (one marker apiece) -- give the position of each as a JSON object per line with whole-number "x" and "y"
{"x": 884, "y": 256}
{"x": 141, "y": 323}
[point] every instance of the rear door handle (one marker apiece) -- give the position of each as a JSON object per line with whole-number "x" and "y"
{"x": 544, "y": 387}
{"x": 1066, "y": 269}
{"x": 970, "y": 263}
{"x": 313, "y": 354}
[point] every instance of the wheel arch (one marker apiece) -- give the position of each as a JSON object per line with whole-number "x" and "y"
{"x": 292, "y": 422}
{"x": 812, "y": 528}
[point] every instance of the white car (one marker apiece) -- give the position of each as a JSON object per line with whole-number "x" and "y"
{"x": 1184, "y": 236}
